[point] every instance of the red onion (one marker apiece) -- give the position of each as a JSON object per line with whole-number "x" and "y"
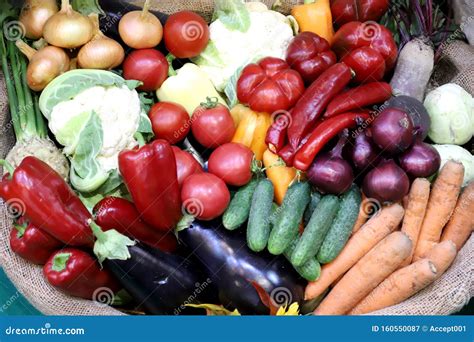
{"x": 363, "y": 153}
{"x": 416, "y": 110}
{"x": 386, "y": 183}
{"x": 393, "y": 131}
{"x": 421, "y": 160}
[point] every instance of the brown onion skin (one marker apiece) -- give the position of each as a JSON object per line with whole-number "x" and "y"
{"x": 393, "y": 131}
{"x": 420, "y": 160}
{"x": 68, "y": 29}
{"x": 34, "y": 14}
{"x": 141, "y": 29}
{"x": 387, "y": 182}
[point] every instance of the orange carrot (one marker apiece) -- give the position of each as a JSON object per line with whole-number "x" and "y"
{"x": 461, "y": 224}
{"x": 400, "y": 285}
{"x": 364, "y": 212}
{"x": 371, "y": 233}
{"x": 415, "y": 212}
{"x": 442, "y": 256}
{"x": 369, "y": 272}
{"x": 441, "y": 204}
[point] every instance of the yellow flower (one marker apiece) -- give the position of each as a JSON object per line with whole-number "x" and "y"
{"x": 292, "y": 310}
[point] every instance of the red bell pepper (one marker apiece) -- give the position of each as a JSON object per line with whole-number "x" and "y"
{"x": 32, "y": 243}
{"x": 149, "y": 173}
{"x": 314, "y": 101}
{"x": 357, "y": 98}
{"x": 78, "y": 274}
{"x": 48, "y": 202}
{"x": 269, "y": 85}
{"x": 310, "y": 55}
{"x": 344, "y": 11}
{"x": 322, "y": 134}
{"x": 367, "y": 63}
{"x": 120, "y": 214}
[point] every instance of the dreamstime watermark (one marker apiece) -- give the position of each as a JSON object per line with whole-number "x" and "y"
{"x": 192, "y": 30}
{"x": 9, "y": 302}
{"x": 369, "y": 207}
{"x": 281, "y": 119}
{"x": 46, "y": 330}
{"x": 199, "y": 288}
{"x": 281, "y": 296}
{"x": 192, "y": 206}
{"x": 15, "y": 208}
{"x": 369, "y": 30}
{"x": 103, "y": 296}
{"x": 14, "y": 30}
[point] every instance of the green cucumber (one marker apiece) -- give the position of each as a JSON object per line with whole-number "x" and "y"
{"x": 259, "y": 224}
{"x": 239, "y": 208}
{"x": 285, "y": 228}
{"x": 315, "y": 232}
{"x": 341, "y": 228}
{"x": 275, "y": 212}
{"x": 310, "y": 270}
{"x": 315, "y": 198}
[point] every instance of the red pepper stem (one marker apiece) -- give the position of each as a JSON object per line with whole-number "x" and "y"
{"x": 211, "y": 102}
{"x": 170, "y": 58}
{"x": 8, "y": 167}
{"x": 60, "y": 261}
{"x": 20, "y": 228}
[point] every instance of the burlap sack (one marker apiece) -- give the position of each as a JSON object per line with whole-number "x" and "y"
{"x": 447, "y": 295}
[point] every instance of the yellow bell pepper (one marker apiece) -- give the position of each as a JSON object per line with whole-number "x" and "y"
{"x": 264, "y": 121}
{"x": 315, "y": 16}
{"x": 280, "y": 175}
{"x": 239, "y": 112}
{"x": 246, "y": 129}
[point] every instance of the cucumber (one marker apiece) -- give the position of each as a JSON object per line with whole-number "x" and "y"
{"x": 315, "y": 198}
{"x": 315, "y": 232}
{"x": 275, "y": 212}
{"x": 259, "y": 224}
{"x": 341, "y": 228}
{"x": 239, "y": 208}
{"x": 285, "y": 228}
{"x": 310, "y": 270}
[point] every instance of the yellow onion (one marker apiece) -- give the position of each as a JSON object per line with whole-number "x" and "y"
{"x": 141, "y": 29}
{"x": 45, "y": 65}
{"x": 67, "y": 28}
{"x": 101, "y": 52}
{"x": 34, "y": 15}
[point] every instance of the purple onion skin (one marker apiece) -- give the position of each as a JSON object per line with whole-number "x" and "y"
{"x": 364, "y": 153}
{"x": 330, "y": 174}
{"x": 417, "y": 111}
{"x": 420, "y": 160}
{"x": 386, "y": 183}
{"x": 393, "y": 131}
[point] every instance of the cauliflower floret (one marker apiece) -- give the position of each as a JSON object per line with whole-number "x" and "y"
{"x": 119, "y": 112}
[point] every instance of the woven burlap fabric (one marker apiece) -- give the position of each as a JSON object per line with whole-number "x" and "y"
{"x": 448, "y": 294}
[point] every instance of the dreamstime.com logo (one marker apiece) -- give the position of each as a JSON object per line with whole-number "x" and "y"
{"x": 46, "y": 330}
{"x": 199, "y": 288}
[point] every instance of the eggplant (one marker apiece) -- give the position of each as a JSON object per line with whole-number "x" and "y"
{"x": 163, "y": 283}
{"x": 232, "y": 266}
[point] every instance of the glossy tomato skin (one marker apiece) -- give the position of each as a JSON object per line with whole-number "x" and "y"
{"x": 148, "y": 66}
{"x": 232, "y": 163}
{"x": 212, "y": 127}
{"x": 186, "y": 34}
{"x": 170, "y": 121}
{"x": 205, "y": 196}
{"x": 186, "y": 164}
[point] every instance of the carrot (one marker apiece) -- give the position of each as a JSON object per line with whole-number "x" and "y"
{"x": 415, "y": 212}
{"x": 371, "y": 233}
{"x": 442, "y": 256}
{"x": 405, "y": 201}
{"x": 441, "y": 204}
{"x": 369, "y": 272}
{"x": 461, "y": 224}
{"x": 400, "y": 285}
{"x": 364, "y": 213}
{"x": 280, "y": 175}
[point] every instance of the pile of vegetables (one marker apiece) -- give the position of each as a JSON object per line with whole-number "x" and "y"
{"x": 238, "y": 156}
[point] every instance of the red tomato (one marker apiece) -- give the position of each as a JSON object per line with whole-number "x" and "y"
{"x": 204, "y": 196}
{"x": 212, "y": 127}
{"x": 232, "y": 163}
{"x": 170, "y": 121}
{"x": 186, "y": 164}
{"x": 186, "y": 34}
{"x": 148, "y": 66}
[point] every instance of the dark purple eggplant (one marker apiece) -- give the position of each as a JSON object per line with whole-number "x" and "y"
{"x": 163, "y": 283}
{"x": 415, "y": 109}
{"x": 232, "y": 266}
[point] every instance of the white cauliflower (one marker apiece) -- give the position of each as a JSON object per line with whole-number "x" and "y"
{"x": 268, "y": 35}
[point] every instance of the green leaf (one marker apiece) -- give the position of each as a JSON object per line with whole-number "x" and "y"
{"x": 210, "y": 57}
{"x": 233, "y": 14}
{"x": 133, "y": 84}
{"x": 87, "y": 7}
{"x": 144, "y": 125}
{"x": 231, "y": 88}
{"x": 110, "y": 244}
{"x": 8, "y": 8}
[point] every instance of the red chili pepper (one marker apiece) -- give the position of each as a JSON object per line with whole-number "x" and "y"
{"x": 121, "y": 215}
{"x": 32, "y": 243}
{"x": 269, "y": 86}
{"x": 315, "y": 99}
{"x": 78, "y": 274}
{"x": 42, "y": 195}
{"x": 277, "y": 133}
{"x": 310, "y": 55}
{"x": 344, "y": 11}
{"x": 287, "y": 153}
{"x": 322, "y": 134}
{"x": 357, "y": 98}
{"x": 150, "y": 175}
